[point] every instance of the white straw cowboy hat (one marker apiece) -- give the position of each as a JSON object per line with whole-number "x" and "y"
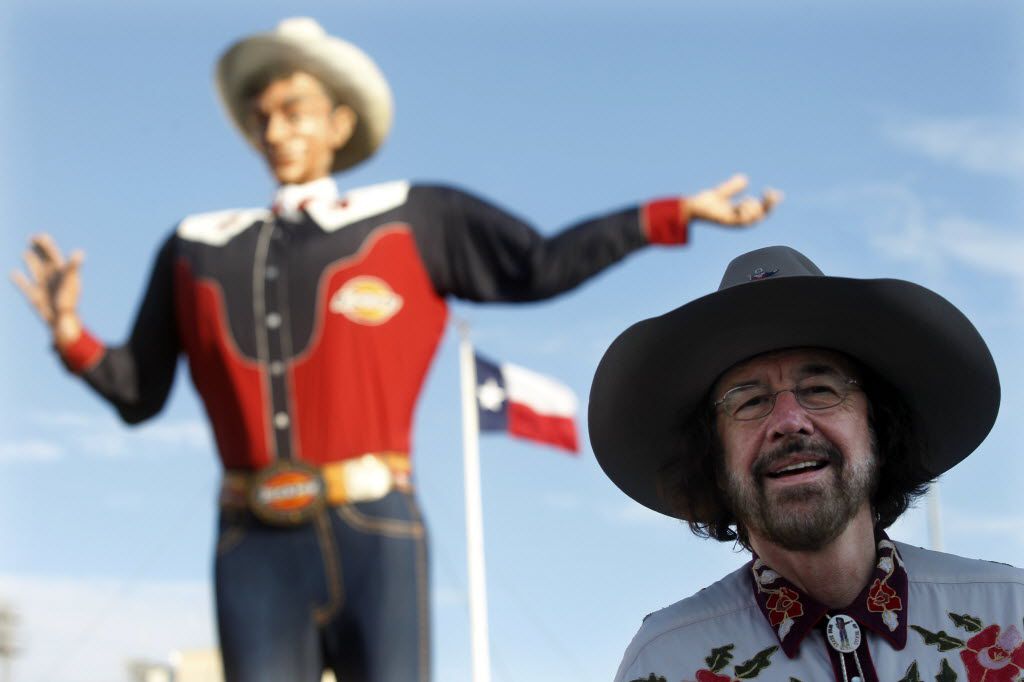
{"x": 341, "y": 67}
{"x": 657, "y": 374}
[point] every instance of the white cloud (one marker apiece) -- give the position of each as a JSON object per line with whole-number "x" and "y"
{"x": 555, "y": 344}
{"x": 983, "y": 247}
{"x": 898, "y": 226}
{"x": 562, "y": 500}
{"x": 901, "y": 226}
{"x": 104, "y": 442}
{"x": 447, "y": 596}
{"x": 992, "y": 527}
{"x": 976, "y": 144}
{"x": 30, "y": 449}
{"x": 77, "y": 630}
{"x": 102, "y": 435}
{"x": 64, "y": 419}
{"x": 632, "y": 513}
{"x": 956, "y": 241}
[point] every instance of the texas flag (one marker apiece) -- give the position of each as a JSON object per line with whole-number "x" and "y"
{"x": 525, "y": 404}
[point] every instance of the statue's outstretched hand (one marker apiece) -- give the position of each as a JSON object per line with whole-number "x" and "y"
{"x": 721, "y": 205}
{"x": 52, "y": 287}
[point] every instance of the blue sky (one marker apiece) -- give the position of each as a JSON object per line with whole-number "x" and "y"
{"x": 895, "y": 132}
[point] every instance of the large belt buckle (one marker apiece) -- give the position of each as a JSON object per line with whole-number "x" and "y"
{"x": 287, "y": 493}
{"x": 367, "y": 478}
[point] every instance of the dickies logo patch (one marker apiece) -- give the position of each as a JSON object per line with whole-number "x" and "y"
{"x": 366, "y": 300}
{"x": 287, "y": 493}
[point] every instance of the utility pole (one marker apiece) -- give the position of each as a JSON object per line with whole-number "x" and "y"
{"x": 934, "y": 518}
{"x": 8, "y": 647}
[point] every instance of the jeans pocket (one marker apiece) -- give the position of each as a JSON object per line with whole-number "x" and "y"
{"x": 230, "y": 535}
{"x": 395, "y": 515}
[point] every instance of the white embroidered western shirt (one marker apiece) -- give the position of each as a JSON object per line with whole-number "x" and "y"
{"x": 923, "y": 616}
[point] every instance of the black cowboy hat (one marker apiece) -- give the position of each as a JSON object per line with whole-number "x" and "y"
{"x": 655, "y": 375}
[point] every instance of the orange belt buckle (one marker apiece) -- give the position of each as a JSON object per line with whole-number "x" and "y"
{"x": 287, "y": 493}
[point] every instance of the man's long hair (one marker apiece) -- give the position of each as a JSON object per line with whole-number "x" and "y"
{"x": 691, "y": 483}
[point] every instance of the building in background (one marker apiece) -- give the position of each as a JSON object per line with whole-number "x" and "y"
{"x": 148, "y": 671}
{"x": 9, "y": 644}
{"x": 190, "y": 665}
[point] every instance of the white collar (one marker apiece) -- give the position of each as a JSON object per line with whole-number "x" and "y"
{"x": 289, "y": 200}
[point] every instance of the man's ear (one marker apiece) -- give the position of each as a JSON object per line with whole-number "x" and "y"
{"x": 342, "y": 122}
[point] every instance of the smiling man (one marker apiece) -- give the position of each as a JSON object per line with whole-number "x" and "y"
{"x": 801, "y": 415}
{"x": 785, "y": 472}
{"x": 309, "y": 327}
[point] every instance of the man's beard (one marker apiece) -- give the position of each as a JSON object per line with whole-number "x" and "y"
{"x": 804, "y": 517}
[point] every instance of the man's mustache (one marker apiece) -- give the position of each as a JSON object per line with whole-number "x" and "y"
{"x": 802, "y": 444}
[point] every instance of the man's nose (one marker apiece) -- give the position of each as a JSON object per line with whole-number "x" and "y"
{"x": 788, "y": 417}
{"x": 275, "y": 129}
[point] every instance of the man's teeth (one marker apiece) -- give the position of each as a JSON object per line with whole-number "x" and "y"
{"x": 797, "y": 467}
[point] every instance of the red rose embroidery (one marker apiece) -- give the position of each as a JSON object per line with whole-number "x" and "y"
{"x": 881, "y": 597}
{"x": 991, "y": 656}
{"x": 708, "y": 676}
{"x": 782, "y": 605}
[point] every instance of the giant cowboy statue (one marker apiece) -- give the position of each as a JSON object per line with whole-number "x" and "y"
{"x": 308, "y": 327}
{"x": 799, "y": 415}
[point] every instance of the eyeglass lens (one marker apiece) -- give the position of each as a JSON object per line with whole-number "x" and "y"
{"x": 814, "y": 393}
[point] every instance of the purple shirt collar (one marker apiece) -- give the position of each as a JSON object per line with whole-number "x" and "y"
{"x": 880, "y": 607}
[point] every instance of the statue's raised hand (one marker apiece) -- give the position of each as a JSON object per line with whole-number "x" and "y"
{"x": 52, "y": 287}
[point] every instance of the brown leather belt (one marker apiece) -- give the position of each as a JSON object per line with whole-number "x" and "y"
{"x": 291, "y": 492}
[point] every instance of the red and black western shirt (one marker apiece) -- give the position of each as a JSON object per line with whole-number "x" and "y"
{"x": 309, "y": 328}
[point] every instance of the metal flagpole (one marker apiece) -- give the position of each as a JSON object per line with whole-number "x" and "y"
{"x": 474, "y": 510}
{"x": 934, "y": 518}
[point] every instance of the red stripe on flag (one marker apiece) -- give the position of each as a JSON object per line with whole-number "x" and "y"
{"x": 553, "y": 430}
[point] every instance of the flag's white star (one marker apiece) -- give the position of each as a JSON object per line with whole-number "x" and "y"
{"x": 490, "y": 395}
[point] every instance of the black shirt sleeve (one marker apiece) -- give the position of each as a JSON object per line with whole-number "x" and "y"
{"x": 136, "y": 377}
{"x": 477, "y": 251}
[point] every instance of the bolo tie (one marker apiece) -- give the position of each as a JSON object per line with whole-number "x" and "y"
{"x": 843, "y": 635}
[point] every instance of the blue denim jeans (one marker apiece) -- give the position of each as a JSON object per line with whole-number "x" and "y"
{"x": 346, "y": 592}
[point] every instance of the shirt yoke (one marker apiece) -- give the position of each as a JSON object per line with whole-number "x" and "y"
{"x": 217, "y": 228}
{"x": 928, "y": 566}
{"x": 728, "y": 598}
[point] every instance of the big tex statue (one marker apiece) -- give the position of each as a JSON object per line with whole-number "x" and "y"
{"x": 308, "y": 327}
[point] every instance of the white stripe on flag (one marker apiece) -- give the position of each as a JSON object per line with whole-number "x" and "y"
{"x": 542, "y": 394}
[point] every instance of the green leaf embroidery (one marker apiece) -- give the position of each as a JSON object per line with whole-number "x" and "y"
{"x": 753, "y": 667}
{"x": 911, "y": 675}
{"x": 966, "y": 621}
{"x": 946, "y": 674}
{"x": 793, "y": 679}
{"x": 942, "y": 640}
{"x": 719, "y": 657}
{"x": 650, "y": 678}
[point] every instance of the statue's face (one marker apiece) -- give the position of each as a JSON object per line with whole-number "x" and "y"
{"x": 298, "y": 128}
